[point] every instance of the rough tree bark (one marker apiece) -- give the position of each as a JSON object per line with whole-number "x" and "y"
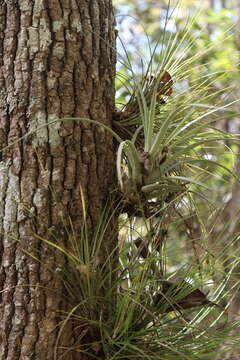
{"x": 57, "y": 60}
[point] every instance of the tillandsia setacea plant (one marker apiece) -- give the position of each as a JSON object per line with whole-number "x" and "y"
{"x": 163, "y": 128}
{"x": 162, "y": 165}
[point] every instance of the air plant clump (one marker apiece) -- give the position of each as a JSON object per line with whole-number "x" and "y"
{"x": 142, "y": 174}
{"x": 167, "y": 124}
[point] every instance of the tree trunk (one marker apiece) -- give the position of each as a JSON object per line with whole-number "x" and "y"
{"x": 57, "y": 60}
